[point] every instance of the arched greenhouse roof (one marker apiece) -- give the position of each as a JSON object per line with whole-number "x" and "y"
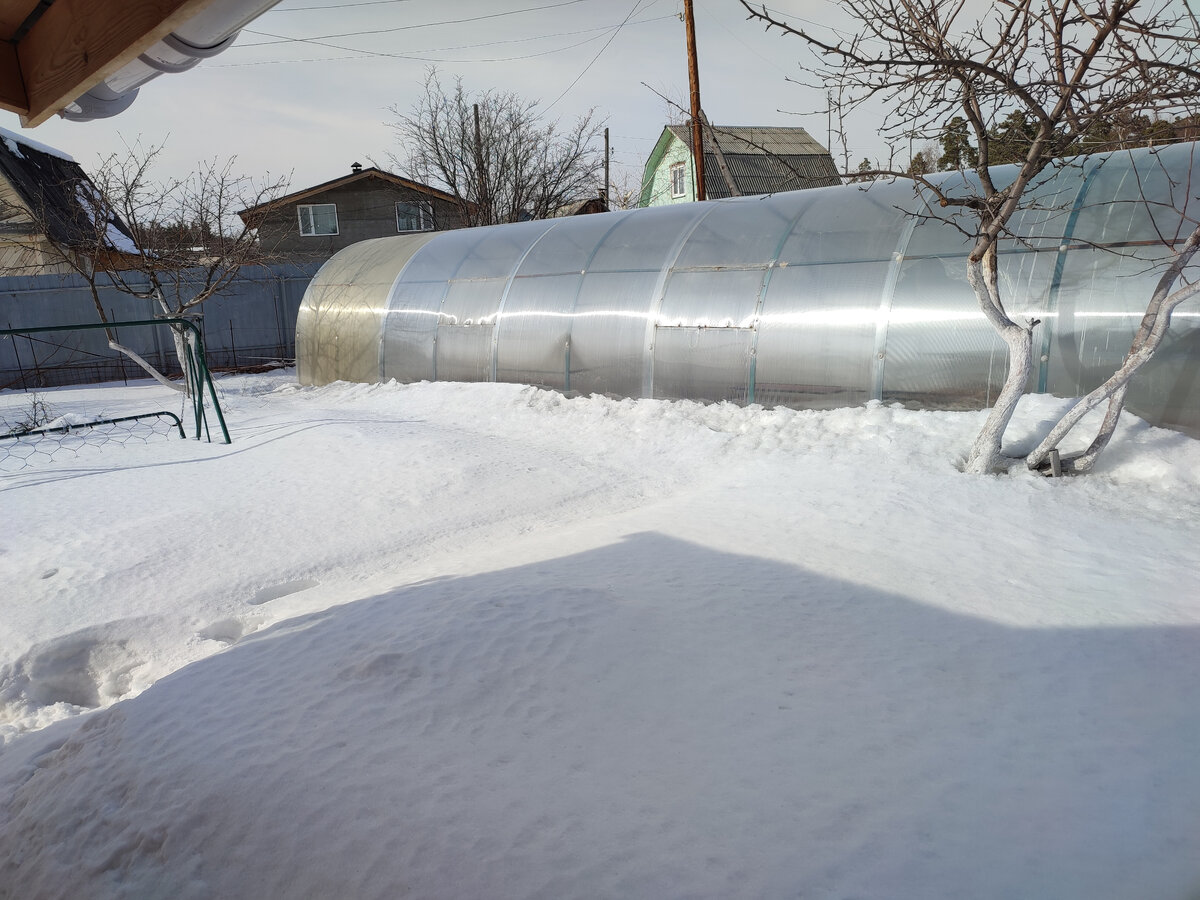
{"x": 819, "y": 298}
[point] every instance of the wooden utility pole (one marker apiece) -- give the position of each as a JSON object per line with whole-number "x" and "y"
{"x": 689, "y": 22}
{"x": 606, "y": 154}
{"x": 485, "y": 201}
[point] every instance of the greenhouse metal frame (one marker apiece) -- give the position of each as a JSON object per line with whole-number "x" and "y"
{"x": 811, "y": 299}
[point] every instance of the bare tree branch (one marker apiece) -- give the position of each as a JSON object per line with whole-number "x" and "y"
{"x": 518, "y": 167}
{"x": 1069, "y": 68}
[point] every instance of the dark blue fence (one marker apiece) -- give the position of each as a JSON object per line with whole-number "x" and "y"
{"x": 252, "y": 323}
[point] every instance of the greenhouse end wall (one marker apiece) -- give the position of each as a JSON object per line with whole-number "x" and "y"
{"x": 810, "y": 299}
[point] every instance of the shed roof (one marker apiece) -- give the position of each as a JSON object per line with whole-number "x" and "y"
{"x": 760, "y": 159}
{"x": 59, "y": 196}
{"x": 756, "y": 140}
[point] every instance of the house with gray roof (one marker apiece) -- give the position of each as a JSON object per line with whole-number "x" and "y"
{"x": 738, "y": 161}
{"x": 315, "y": 223}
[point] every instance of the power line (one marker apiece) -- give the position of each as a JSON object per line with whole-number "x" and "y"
{"x": 359, "y": 53}
{"x": 379, "y": 54}
{"x": 729, "y": 32}
{"x": 616, "y": 31}
{"x": 376, "y": 31}
{"x": 520, "y": 40}
{"x": 339, "y": 6}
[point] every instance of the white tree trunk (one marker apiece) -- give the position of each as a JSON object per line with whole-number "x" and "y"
{"x": 985, "y": 453}
{"x": 1116, "y": 403}
{"x": 149, "y": 369}
{"x": 1145, "y": 343}
{"x": 180, "y": 338}
{"x": 983, "y": 276}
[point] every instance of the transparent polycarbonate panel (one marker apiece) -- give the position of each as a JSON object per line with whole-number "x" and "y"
{"x": 1170, "y": 185}
{"x": 569, "y": 246}
{"x": 339, "y": 321}
{"x": 819, "y": 338}
{"x": 534, "y": 329}
{"x": 702, "y": 363}
{"x": 725, "y": 298}
{"x": 1099, "y": 306}
{"x": 1026, "y": 277}
{"x": 703, "y": 334}
{"x": 337, "y": 336}
{"x": 817, "y": 335}
{"x": 842, "y": 224}
{"x": 608, "y": 332}
{"x": 1047, "y": 215}
{"x": 442, "y": 257}
{"x": 468, "y": 302}
{"x": 409, "y": 330}
{"x": 643, "y": 242}
{"x": 1143, "y": 203}
{"x": 464, "y": 353}
{"x": 501, "y": 248}
{"x": 941, "y": 236}
{"x": 464, "y": 339}
{"x": 1110, "y": 211}
{"x": 941, "y": 352}
{"x": 1167, "y": 389}
{"x": 745, "y": 231}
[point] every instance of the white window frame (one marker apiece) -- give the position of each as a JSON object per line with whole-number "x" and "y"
{"x": 678, "y": 174}
{"x": 425, "y": 215}
{"x": 308, "y": 225}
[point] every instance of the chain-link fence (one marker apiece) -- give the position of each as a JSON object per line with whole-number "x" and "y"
{"x": 23, "y": 448}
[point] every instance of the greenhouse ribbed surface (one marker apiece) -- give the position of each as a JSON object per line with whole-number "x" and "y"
{"x": 810, "y": 299}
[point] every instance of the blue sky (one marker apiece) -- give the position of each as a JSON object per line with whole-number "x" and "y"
{"x": 306, "y": 88}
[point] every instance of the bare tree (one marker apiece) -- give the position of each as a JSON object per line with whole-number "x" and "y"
{"x": 495, "y": 154}
{"x": 1064, "y": 68}
{"x": 177, "y": 242}
{"x": 625, "y": 190}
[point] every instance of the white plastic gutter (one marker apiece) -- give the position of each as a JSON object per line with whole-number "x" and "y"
{"x": 204, "y": 35}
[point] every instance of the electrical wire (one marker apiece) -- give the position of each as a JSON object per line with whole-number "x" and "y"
{"x": 338, "y": 6}
{"x": 520, "y": 40}
{"x": 379, "y": 54}
{"x": 616, "y": 31}
{"x": 513, "y": 12}
{"x": 358, "y": 53}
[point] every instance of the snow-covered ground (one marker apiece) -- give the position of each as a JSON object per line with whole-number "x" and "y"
{"x": 484, "y": 641}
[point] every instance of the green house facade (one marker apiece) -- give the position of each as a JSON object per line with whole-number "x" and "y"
{"x": 739, "y": 161}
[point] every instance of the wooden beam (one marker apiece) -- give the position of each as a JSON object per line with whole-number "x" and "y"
{"x": 76, "y": 44}
{"x": 13, "y": 14}
{"x": 12, "y": 88}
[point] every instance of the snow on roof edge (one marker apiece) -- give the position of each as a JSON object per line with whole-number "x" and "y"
{"x": 36, "y": 145}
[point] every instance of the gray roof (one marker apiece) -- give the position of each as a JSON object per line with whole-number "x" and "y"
{"x": 761, "y": 160}
{"x": 52, "y": 188}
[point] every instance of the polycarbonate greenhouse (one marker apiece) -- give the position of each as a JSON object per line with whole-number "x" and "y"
{"x": 819, "y": 298}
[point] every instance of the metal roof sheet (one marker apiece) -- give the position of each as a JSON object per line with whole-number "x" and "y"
{"x": 760, "y": 174}
{"x": 761, "y": 159}
{"x": 52, "y": 187}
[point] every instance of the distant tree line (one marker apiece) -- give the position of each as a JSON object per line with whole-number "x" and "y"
{"x": 1011, "y": 138}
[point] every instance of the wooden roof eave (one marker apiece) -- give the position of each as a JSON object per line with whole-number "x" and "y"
{"x": 76, "y": 44}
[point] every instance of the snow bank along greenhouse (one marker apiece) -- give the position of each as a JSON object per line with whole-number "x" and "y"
{"x": 819, "y": 298}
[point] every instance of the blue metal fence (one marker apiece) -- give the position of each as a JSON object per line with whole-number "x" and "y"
{"x": 251, "y": 323}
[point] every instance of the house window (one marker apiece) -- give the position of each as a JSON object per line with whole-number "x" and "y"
{"x": 318, "y": 219}
{"x": 414, "y": 215}
{"x": 678, "y": 188}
